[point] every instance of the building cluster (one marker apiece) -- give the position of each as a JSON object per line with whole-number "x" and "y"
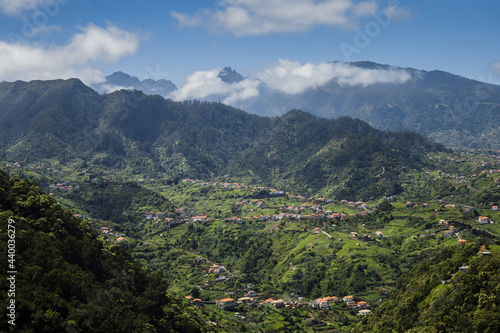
{"x": 64, "y": 186}
{"x": 253, "y": 299}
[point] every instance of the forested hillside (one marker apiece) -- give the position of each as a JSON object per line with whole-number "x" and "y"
{"x": 447, "y": 108}
{"x": 294, "y": 216}
{"x": 281, "y": 246}
{"x": 344, "y": 158}
{"x": 454, "y": 291}
{"x": 67, "y": 122}
{"x": 67, "y": 280}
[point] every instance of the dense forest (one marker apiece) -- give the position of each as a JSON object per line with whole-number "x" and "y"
{"x": 68, "y": 280}
{"x": 294, "y": 207}
{"x": 65, "y": 121}
{"x": 447, "y": 108}
{"x": 454, "y": 291}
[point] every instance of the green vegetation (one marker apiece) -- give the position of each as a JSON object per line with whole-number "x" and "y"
{"x": 68, "y": 280}
{"x": 168, "y": 200}
{"x": 436, "y": 297}
{"x": 279, "y": 257}
{"x": 67, "y": 122}
{"x": 447, "y": 108}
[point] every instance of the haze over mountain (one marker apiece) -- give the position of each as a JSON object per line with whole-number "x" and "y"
{"x": 69, "y": 122}
{"x": 447, "y": 108}
{"x": 119, "y": 80}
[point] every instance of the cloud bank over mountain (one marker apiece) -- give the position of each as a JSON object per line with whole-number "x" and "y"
{"x": 289, "y": 77}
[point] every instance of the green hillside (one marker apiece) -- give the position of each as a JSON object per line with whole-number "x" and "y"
{"x": 63, "y": 278}
{"x": 285, "y": 245}
{"x": 345, "y": 158}
{"x": 66, "y": 122}
{"x": 447, "y": 108}
{"x": 309, "y": 224}
{"x": 455, "y": 291}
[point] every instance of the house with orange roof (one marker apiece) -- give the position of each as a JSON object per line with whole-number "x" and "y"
{"x": 330, "y": 298}
{"x": 347, "y": 298}
{"x": 494, "y": 207}
{"x": 120, "y": 239}
{"x": 278, "y": 303}
{"x": 245, "y": 300}
{"x": 351, "y": 305}
{"x": 217, "y": 269}
{"x": 461, "y": 241}
{"x": 362, "y": 305}
{"x": 226, "y": 303}
{"x": 320, "y": 303}
{"x": 483, "y": 220}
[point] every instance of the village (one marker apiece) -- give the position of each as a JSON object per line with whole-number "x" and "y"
{"x": 326, "y": 223}
{"x": 253, "y": 299}
{"x": 250, "y": 206}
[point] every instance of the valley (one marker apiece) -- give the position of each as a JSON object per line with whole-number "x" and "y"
{"x": 311, "y": 166}
{"x": 288, "y": 260}
{"x": 246, "y": 223}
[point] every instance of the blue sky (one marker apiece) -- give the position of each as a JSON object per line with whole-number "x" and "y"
{"x": 168, "y": 39}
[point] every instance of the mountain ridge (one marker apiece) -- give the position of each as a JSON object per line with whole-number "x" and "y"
{"x": 148, "y": 134}
{"x": 121, "y": 80}
{"x": 444, "y": 107}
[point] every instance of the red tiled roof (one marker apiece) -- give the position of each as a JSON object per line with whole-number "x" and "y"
{"x": 226, "y": 300}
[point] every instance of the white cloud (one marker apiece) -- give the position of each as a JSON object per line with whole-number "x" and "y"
{"x": 16, "y": 7}
{"x": 203, "y": 84}
{"x": 109, "y": 88}
{"x": 242, "y": 90}
{"x": 397, "y": 12}
{"x": 256, "y": 17}
{"x": 21, "y": 61}
{"x": 289, "y": 77}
